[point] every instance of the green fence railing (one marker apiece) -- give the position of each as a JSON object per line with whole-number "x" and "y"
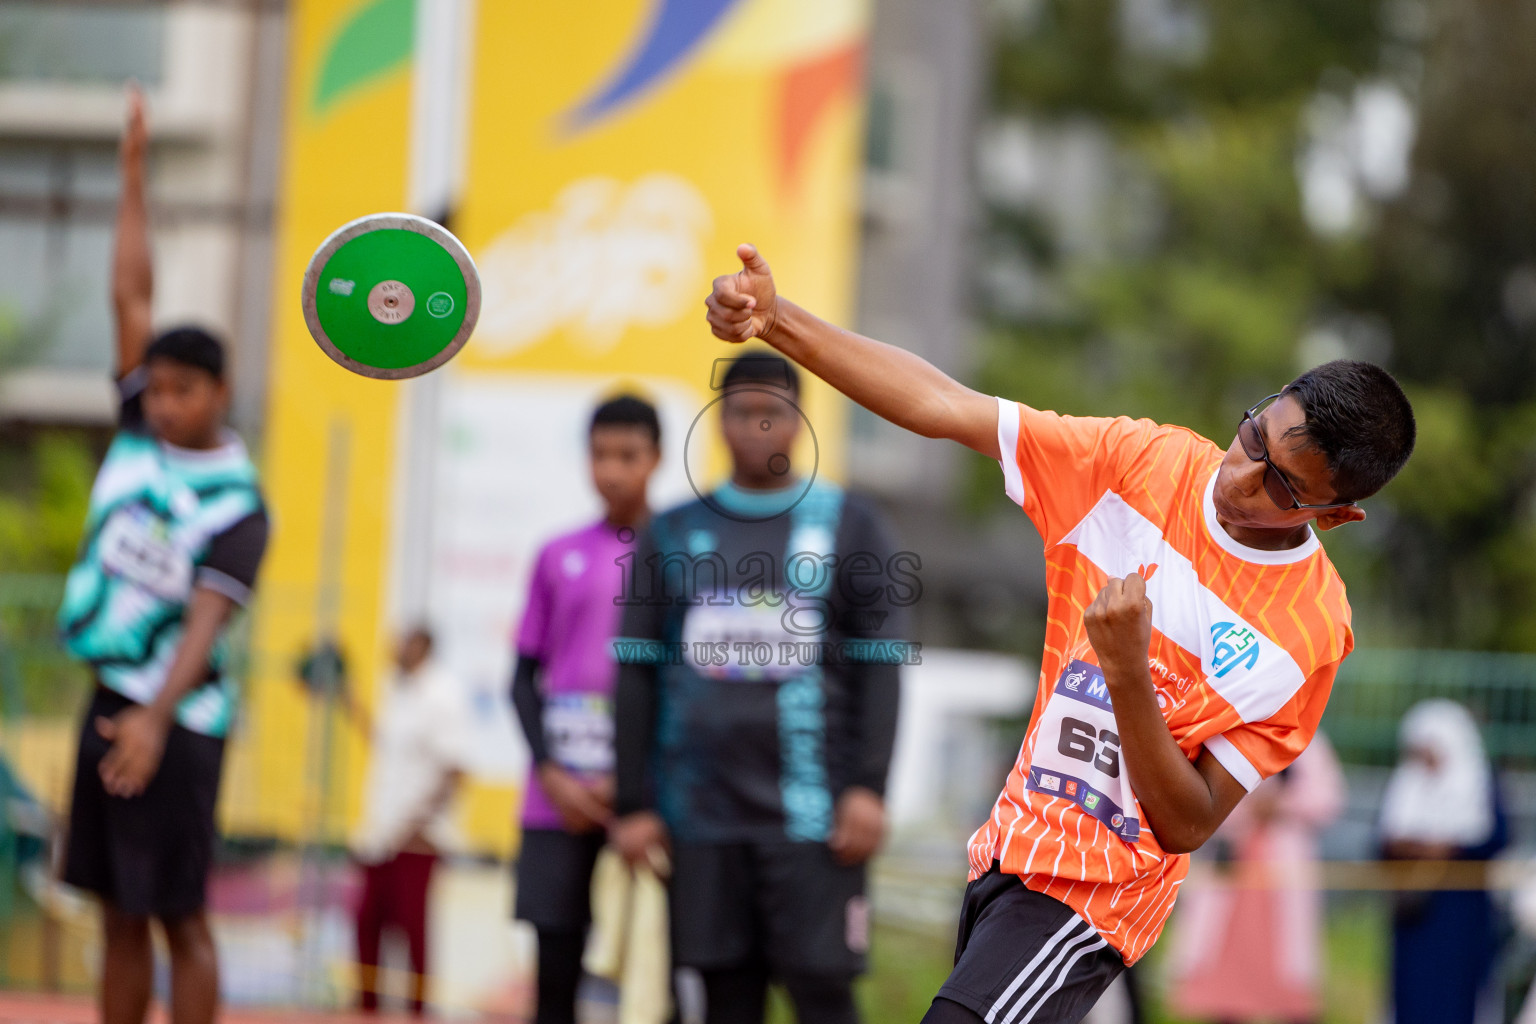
{"x": 1375, "y": 688}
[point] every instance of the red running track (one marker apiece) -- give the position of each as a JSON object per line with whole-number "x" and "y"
{"x": 24, "y": 1008}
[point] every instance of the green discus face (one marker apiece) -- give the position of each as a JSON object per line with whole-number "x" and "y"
{"x": 391, "y": 295}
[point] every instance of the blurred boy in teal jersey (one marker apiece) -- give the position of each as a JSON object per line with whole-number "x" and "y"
{"x": 173, "y": 540}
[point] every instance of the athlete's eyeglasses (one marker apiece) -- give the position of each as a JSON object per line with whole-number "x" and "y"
{"x": 1275, "y": 485}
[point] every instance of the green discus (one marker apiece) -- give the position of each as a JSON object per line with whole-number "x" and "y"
{"x": 391, "y": 295}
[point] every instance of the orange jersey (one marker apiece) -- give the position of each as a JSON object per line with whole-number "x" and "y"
{"x": 1245, "y": 645}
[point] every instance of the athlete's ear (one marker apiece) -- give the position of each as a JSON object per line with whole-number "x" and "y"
{"x": 1339, "y": 516}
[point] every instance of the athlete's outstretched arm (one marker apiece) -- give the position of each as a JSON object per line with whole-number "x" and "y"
{"x": 133, "y": 280}
{"x": 888, "y": 381}
{"x": 1184, "y": 801}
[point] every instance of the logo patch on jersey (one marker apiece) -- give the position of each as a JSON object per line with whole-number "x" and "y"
{"x": 1052, "y": 783}
{"x": 1071, "y": 788}
{"x": 1091, "y": 801}
{"x": 1075, "y": 680}
{"x": 1235, "y": 646}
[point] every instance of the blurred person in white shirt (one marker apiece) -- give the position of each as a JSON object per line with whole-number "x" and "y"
{"x": 415, "y": 766}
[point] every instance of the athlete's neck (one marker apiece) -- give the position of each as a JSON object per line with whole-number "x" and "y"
{"x": 1266, "y": 540}
{"x": 629, "y": 518}
{"x": 205, "y": 442}
{"x": 763, "y": 481}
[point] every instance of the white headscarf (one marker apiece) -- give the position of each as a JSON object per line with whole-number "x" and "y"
{"x": 1450, "y": 803}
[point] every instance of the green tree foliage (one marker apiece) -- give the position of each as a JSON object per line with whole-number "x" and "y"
{"x": 1210, "y": 276}
{"x": 45, "y": 482}
{"x": 1453, "y": 271}
{"x": 45, "y": 474}
{"x": 1200, "y": 316}
{"x": 42, "y": 506}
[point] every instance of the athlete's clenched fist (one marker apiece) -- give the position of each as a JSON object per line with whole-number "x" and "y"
{"x": 1119, "y": 625}
{"x": 743, "y": 305}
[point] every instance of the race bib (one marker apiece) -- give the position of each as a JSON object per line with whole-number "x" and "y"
{"x": 136, "y": 545}
{"x": 746, "y": 643}
{"x": 1077, "y": 752}
{"x": 579, "y": 730}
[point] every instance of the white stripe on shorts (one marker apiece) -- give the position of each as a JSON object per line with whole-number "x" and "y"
{"x": 1074, "y": 923}
{"x": 1080, "y": 943}
{"x": 1045, "y": 997}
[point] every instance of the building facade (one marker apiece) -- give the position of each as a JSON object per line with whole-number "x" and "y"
{"x": 211, "y": 72}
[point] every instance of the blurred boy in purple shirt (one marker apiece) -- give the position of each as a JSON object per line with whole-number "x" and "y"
{"x": 562, "y": 688}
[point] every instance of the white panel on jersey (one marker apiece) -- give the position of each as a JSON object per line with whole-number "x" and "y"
{"x": 1251, "y": 671}
{"x": 1233, "y": 760}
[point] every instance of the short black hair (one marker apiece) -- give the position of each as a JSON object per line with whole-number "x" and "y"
{"x": 762, "y": 368}
{"x": 627, "y": 411}
{"x": 1359, "y": 418}
{"x": 190, "y": 346}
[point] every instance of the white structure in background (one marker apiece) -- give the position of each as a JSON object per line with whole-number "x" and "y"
{"x": 212, "y": 74}
{"x": 951, "y": 759}
{"x": 1358, "y": 148}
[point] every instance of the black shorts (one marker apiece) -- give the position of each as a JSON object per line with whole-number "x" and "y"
{"x": 1025, "y": 958}
{"x": 554, "y": 878}
{"x": 147, "y": 855}
{"x": 789, "y": 904}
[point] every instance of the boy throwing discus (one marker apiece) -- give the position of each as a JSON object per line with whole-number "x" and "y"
{"x": 1194, "y": 629}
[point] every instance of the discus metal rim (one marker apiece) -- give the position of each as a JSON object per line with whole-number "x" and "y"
{"x": 380, "y": 222}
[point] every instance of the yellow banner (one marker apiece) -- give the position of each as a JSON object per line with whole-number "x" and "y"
{"x": 618, "y": 150}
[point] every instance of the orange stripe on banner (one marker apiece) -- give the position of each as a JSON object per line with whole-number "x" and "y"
{"x": 806, "y": 91}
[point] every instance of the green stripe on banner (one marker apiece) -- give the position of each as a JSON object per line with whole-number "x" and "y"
{"x": 377, "y": 40}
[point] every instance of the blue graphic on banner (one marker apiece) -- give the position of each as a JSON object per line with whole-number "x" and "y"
{"x": 676, "y": 29}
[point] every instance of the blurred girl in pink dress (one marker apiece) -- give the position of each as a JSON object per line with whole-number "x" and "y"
{"x": 1247, "y": 942}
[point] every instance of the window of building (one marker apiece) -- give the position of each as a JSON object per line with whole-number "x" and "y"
{"x": 57, "y": 202}
{"x": 880, "y": 132}
{"x": 61, "y": 41}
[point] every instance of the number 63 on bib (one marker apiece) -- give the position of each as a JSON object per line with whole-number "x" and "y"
{"x": 1077, "y": 752}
